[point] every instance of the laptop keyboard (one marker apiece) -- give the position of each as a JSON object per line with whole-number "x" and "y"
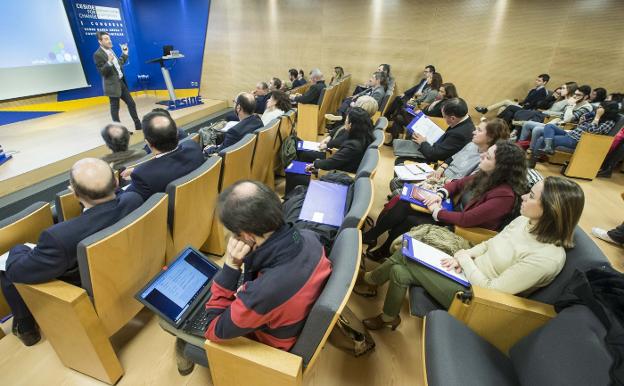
{"x": 198, "y": 323}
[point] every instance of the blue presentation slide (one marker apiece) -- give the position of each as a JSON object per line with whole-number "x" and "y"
{"x": 36, "y": 32}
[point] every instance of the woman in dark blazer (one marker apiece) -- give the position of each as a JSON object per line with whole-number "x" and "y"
{"x": 360, "y": 134}
{"x": 447, "y": 91}
{"x": 485, "y": 199}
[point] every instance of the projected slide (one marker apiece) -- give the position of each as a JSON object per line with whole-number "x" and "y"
{"x": 39, "y": 54}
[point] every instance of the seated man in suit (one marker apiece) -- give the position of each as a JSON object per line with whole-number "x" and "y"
{"x": 313, "y": 95}
{"x": 530, "y": 102}
{"x": 417, "y": 90}
{"x": 117, "y": 138}
{"x": 172, "y": 158}
{"x": 458, "y": 134}
{"x": 285, "y": 272}
{"x": 248, "y": 123}
{"x": 293, "y": 76}
{"x": 55, "y": 255}
{"x": 262, "y": 96}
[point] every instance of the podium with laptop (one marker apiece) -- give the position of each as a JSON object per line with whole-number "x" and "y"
{"x": 169, "y": 56}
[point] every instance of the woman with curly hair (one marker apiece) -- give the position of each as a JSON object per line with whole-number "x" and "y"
{"x": 277, "y": 105}
{"x": 485, "y": 199}
{"x": 528, "y": 254}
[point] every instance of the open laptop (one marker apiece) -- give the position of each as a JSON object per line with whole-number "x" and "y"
{"x": 178, "y": 293}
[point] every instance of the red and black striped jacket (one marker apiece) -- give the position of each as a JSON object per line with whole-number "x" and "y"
{"x": 283, "y": 278}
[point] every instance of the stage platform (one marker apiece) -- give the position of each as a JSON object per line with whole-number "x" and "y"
{"x": 48, "y": 146}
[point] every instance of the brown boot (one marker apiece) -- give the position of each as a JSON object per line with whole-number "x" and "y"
{"x": 362, "y": 288}
{"x": 377, "y": 323}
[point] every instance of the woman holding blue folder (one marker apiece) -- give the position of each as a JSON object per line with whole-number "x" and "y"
{"x": 528, "y": 254}
{"x": 485, "y": 199}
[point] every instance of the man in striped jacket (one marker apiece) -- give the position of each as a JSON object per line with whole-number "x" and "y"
{"x": 285, "y": 270}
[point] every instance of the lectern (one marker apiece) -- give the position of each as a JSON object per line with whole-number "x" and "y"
{"x": 165, "y": 73}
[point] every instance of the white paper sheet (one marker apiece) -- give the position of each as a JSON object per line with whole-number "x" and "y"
{"x": 432, "y": 256}
{"x": 425, "y": 127}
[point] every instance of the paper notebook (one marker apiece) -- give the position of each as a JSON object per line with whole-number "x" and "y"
{"x": 308, "y": 146}
{"x": 324, "y": 203}
{"x": 424, "y": 126}
{"x": 431, "y": 258}
{"x": 297, "y": 167}
{"x": 413, "y": 172}
{"x": 411, "y": 111}
{"x": 415, "y": 195}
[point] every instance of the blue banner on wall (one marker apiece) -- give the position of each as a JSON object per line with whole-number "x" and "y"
{"x": 92, "y": 18}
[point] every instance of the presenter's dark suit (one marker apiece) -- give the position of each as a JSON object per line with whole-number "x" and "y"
{"x": 115, "y": 88}
{"x": 154, "y": 175}
{"x": 55, "y": 256}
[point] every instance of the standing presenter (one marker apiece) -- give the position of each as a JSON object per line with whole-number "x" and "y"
{"x": 113, "y": 79}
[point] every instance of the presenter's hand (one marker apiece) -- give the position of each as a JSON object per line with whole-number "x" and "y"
{"x": 236, "y": 252}
{"x": 124, "y": 49}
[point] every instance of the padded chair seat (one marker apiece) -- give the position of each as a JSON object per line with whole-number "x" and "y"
{"x": 421, "y": 303}
{"x": 569, "y": 350}
{"x": 455, "y": 355}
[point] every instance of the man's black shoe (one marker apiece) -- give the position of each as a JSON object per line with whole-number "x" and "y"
{"x": 27, "y": 332}
{"x": 481, "y": 109}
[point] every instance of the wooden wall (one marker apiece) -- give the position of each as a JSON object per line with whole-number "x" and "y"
{"x": 489, "y": 49}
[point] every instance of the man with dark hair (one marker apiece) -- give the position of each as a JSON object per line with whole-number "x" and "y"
{"x": 261, "y": 94}
{"x": 458, "y": 134}
{"x": 285, "y": 272}
{"x": 530, "y": 102}
{"x": 172, "y": 159}
{"x": 293, "y": 75}
{"x": 113, "y": 79}
{"x": 275, "y": 84}
{"x": 417, "y": 90}
{"x": 313, "y": 94}
{"x": 117, "y": 138}
{"x": 55, "y": 255}
{"x": 248, "y": 123}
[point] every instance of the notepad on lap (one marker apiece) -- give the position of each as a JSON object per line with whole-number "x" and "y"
{"x": 308, "y": 146}
{"x": 413, "y": 172}
{"x": 297, "y": 167}
{"x": 324, "y": 203}
{"x": 415, "y": 195}
{"x": 431, "y": 258}
{"x": 425, "y": 127}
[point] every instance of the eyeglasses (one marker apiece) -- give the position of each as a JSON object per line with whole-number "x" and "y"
{"x": 579, "y": 94}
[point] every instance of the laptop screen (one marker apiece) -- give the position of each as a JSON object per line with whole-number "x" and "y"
{"x": 173, "y": 291}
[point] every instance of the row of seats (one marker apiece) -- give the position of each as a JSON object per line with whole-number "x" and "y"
{"x": 117, "y": 261}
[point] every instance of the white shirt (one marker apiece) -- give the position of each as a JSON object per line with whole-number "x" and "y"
{"x": 268, "y": 116}
{"x": 114, "y": 62}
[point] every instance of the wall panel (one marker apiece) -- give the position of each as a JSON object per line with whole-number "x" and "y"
{"x": 489, "y": 49}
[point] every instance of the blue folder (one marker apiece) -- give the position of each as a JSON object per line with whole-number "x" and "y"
{"x": 324, "y": 203}
{"x": 412, "y": 112}
{"x": 409, "y": 252}
{"x": 4, "y": 158}
{"x": 409, "y": 126}
{"x": 297, "y": 167}
{"x": 406, "y": 195}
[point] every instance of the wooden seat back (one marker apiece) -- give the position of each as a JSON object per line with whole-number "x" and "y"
{"x": 192, "y": 201}
{"x": 118, "y": 261}
{"x": 67, "y": 205}
{"x": 237, "y": 161}
{"x": 262, "y": 162}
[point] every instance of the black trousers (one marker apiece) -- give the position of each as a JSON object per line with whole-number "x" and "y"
{"x": 617, "y": 233}
{"x": 396, "y": 221}
{"x": 14, "y": 300}
{"x": 127, "y": 98}
{"x": 614, "y": 158}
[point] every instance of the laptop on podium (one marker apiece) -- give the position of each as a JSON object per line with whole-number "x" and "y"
{"x": 178, "y": 293}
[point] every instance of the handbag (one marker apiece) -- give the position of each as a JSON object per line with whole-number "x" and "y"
{"x": 350, "y": 335}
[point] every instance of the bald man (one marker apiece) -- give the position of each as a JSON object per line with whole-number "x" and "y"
{"x": 172, "y": 159}
{"x": 55, "y": 255}
{"x": 249, "y": 122}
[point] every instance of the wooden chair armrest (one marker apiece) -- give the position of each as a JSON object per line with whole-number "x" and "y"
{"x": 475, "y": 235}
{"x": 307, "y": 121}
{"x": 241, "y": 361}
{"x": 58, "y": 289}
{"x": 501, "y": 319}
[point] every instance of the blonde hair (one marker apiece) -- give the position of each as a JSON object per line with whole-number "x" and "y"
{"x": 368, "y": 103}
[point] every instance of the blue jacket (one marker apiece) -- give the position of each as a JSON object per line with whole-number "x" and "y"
{"x": 154, "y": 175}
{"x": 55, "y": 256}
{"x": 237, "y": 132}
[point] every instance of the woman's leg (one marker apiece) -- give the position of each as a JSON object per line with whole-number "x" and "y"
{"x": 412, "y": 219}
{"x": 388, "y": 220}
{"x": 537, "y": 139}
{"x": 527, "y": 128}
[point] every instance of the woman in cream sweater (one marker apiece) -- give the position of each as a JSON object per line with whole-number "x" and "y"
{"x": 528, "y": 254}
